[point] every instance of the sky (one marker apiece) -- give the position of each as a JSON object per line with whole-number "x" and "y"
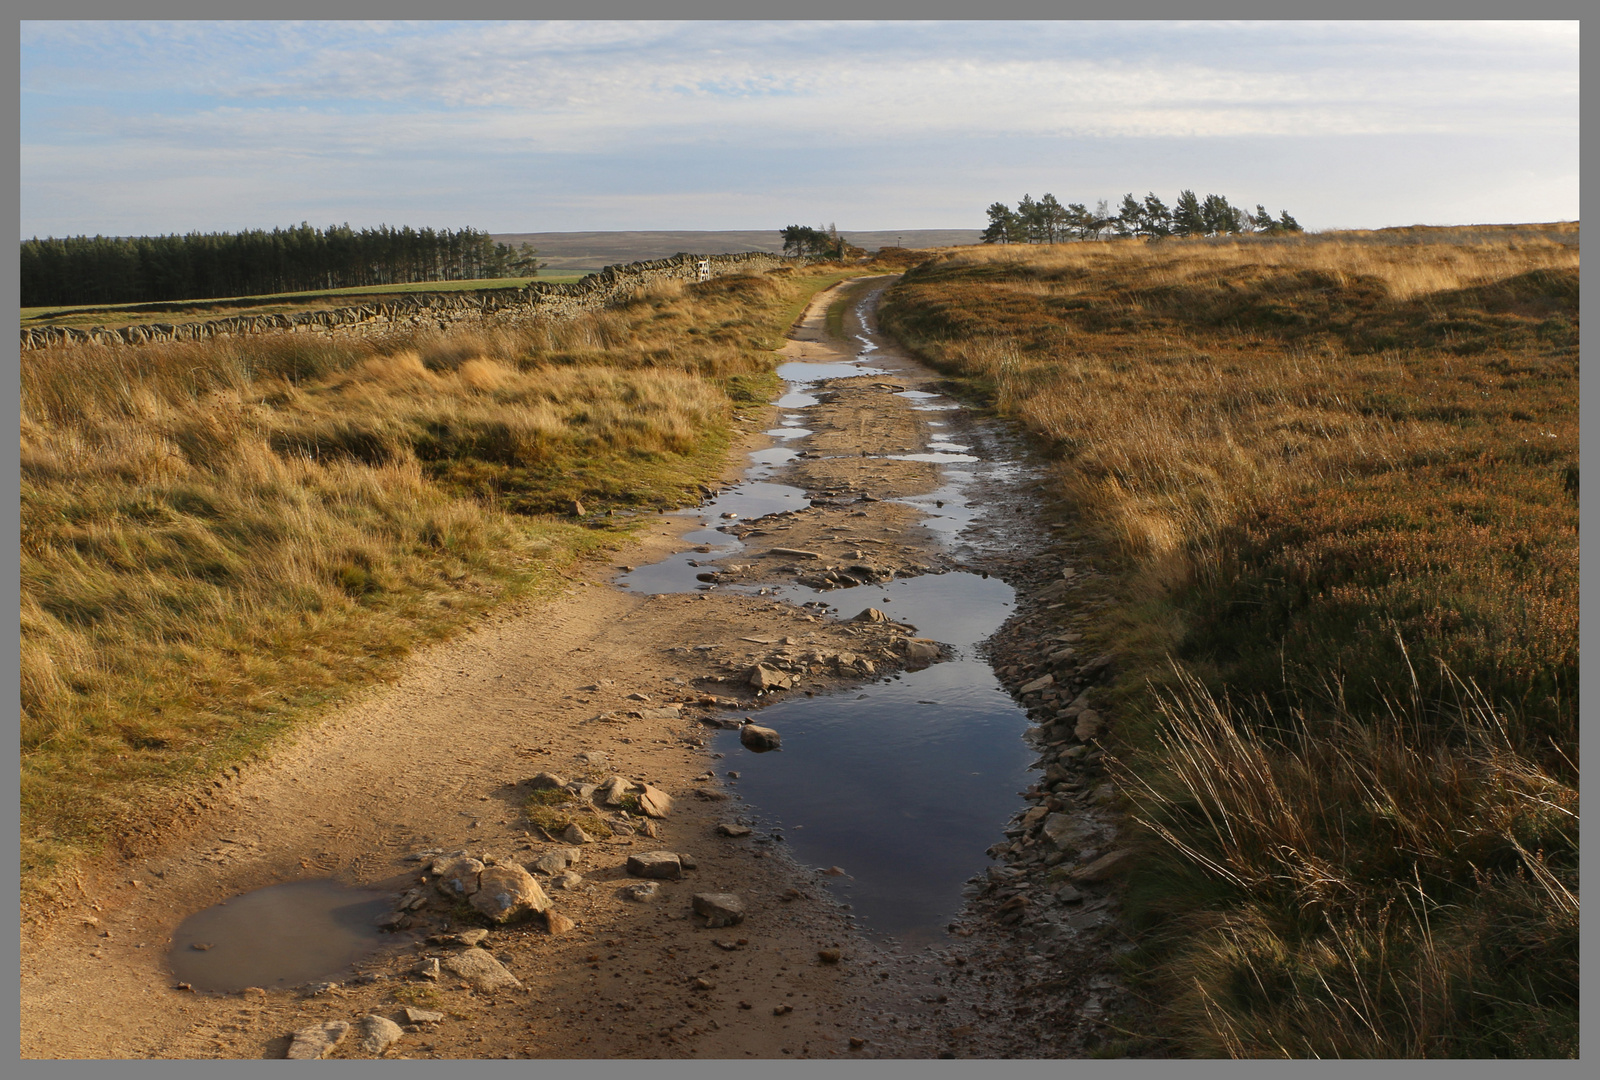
{"x": 131, "y": 128}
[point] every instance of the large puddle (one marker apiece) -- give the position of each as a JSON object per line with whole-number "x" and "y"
{"x": 280, "y": 936}
{"x": 905, "y": 782}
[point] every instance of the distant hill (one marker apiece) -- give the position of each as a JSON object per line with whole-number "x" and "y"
{"x": 582, "y": 252}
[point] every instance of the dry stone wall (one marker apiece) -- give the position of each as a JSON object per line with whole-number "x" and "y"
{"x": 416, "y": 311}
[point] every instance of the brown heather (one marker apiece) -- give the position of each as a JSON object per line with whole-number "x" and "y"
{"x": 1340, "y": 476}
{"x": 217, "y": 537}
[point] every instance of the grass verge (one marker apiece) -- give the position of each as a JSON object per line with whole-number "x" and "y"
{"x": 1339, "y": 475}
{"x": 218, "y": 538}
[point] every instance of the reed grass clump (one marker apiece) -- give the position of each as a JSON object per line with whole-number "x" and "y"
{"x": 1339, "y": 475}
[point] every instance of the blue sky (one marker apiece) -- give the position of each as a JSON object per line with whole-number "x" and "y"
{"x": 131, "y": 127}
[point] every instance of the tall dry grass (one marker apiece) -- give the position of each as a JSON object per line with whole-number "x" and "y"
{"x": 217, "y": 537}
{"x": 1340, "y": 475}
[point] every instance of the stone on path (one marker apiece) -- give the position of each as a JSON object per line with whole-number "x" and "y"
{"x": 481, "y": 970}
{"x": 506, "y": 893}
{"x": 460, "y": 878}
{"x": 543, "y": 780}
{"x": 422, "y": 1016}
{"x": 465, "y": 938}
{"x": 557, "y": 923}
{"x": 378, "y": 1033}
{"x": 640, "y": 892}
{"x": 574, "y": 834}
{"x": 1112, "y": 862}
{"x": 654, "y": 802}
{"x": 728, "y": 829}
{"x": 762, "y": 677}
{"x": 566, "y": 880}
{"x": 1068, "y": 832}
{"x": 720, "y": 909}
{"x": 658, "y": 865}
{"x": 759, "y": 739}
{"x": 551, "y": 862}
{"x": 309, "y": 1044}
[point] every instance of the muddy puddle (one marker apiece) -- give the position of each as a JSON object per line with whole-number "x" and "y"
{"x": 904, "y": 783}
{"x": 280, "y": 936}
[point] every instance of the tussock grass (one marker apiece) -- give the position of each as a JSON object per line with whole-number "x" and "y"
{"x": 218, "y": 537}
{"x": 1340, "y": 476}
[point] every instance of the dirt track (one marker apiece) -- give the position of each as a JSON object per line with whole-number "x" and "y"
{"x": 435, "y": 761}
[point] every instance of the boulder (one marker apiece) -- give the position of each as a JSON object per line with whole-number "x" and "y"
{"x": 720, "y": 909}
{"x": 508, "y": 893}
{"x": 870, "y": 614}
{"x": 309, "y": 1044}
{"x": 759, "y": 739}
{"x": 557, "y": 923}
{"x": 377, "y": 1034}
{"x": 1090, "y": 725}
{"x": 481, "y": 970}
{"x": 921, "y": 650}
{"x": 657, "y": 865}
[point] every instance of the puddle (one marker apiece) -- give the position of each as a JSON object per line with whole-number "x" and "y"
{"x": 904, "y": 783}
{"x": 280, "y": 936}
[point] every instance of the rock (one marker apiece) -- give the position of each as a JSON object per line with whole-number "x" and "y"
{"x": 654, "y": 802}
{"x": 428, "y": 969}
{"x": 508, "y": 893}
{"x": 422, "y": 1016}
{"x": 574, "y": 834}
{"x": 1068, "y": 832}
{"x": 1104, "y": 793}
{"x": 829, "y": 956}
{"x": 720, "y": 909}
{"x": 1038, "y": 684}
{"x": 870, "y": 614}
{"x": 640, "y": 892}
{"x": 575, "y": 508}
{"x": 557, "y": 923}
{"x": 481, "y": 970}
{"x": 921, "y": 650}
{"x": 543, "y": 780}
{"x": 377, "y": 1033}
{"x": 1107, "y": 865}
{"x": 782, "y": 1010}
{"x": 687, "y": 861}
{"x": 702, "y": 983}
{"x": 759, "y": 739}
{"x": 728, "y": 829}
{"x": 648, "y": 827}
{"x": 1054, "y": 591}
{"x": 566, "y": 880}
{"x": 762, "y": 677}
{"x": 466, "y": 938}
{"x": 658, "y": 865}
{"x": 551, "y": 862}
{"x": 459, "y": 878}
{"x": 1068, "y": 894}
{"x": 309, "y": 1044}
{"x": 1089, "y": 725}
{"x": 794, "y": 553}
{"x": 612, "y": 791}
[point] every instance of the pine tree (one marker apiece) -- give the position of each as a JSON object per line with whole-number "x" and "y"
{"x": 1187, "y": 217}
{"x": 1002, "y": 224}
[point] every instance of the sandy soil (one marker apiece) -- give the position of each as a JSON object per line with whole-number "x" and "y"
{"x": 438, "y": 760}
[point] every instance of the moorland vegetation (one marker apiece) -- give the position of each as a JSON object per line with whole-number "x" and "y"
{"x": 217, "y": 537}
{"x": 1338, "y": 475}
